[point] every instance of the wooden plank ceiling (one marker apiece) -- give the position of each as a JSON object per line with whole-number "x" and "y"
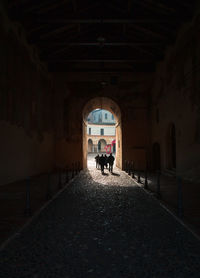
{"x": 101, "y": 35}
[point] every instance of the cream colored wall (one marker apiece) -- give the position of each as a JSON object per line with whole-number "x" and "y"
{"x": 22, "y": 156}
{"x": 96, "y": 129}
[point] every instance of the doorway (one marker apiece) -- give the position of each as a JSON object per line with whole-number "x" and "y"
{"x": 110, "y": 110}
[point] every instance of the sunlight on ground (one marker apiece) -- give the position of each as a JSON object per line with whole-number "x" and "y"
{"x": 91, "y": 161}
{"x": 107, "y": 177}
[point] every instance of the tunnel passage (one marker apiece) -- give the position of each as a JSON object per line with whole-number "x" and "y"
{"x": 111, "y": 106}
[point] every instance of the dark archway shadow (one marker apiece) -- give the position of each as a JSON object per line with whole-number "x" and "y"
{"x": 105, "y": 174}
{"x": 115, "y": 174}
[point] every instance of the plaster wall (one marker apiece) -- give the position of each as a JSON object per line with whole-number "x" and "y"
{"x": 23, "y": 156}
{"x": 175, "y": 99}
{"x": 26, "y": 126}
{"x": 96, "y": 129}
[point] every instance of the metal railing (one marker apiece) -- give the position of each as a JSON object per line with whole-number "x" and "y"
{"x": 53, "y": 182}
{"x": 145, "y": 177}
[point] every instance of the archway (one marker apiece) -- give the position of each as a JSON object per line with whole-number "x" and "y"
{"x": 101, "y": 145}
{"x": 111, "y": 106}
{"x": 171, "y": 147}
{"x": 90, "y": 146}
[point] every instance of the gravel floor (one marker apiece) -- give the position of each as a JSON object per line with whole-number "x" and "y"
{"x": 102, "y": 226}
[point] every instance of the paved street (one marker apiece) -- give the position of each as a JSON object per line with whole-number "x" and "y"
{"x": 102, "y": 226}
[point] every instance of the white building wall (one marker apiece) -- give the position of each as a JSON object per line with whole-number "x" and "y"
{"x": 100, "y": 114}
{"x": 96, "y": 130}
{"x": 109, "y": 117}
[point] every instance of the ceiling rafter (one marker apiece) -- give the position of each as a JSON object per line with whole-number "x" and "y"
{"x": 117, "y": 44}
{"x": 52, "y": 6}
{"x": 57, "y": 31}
{"x": 31, "y": 6}
{"x": 94, "y": 5}
{"x": 160, "y": 5}
{"x": 67, "y": 32}
{"x": 66, "y": 47}
{"x": 110, "y": 21}
{"x": 149, "y": 32}
{"x": 118, "y": 9}
{"x": 99, "y": 60}
{"x": 153, "y": 8}
{"x": 17, "y": 2}
{"x": 141, "y": 49}
{"x": 37, "y": 28}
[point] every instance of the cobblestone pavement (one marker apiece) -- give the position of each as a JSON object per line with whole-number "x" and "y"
{"x": 102, "y": 226}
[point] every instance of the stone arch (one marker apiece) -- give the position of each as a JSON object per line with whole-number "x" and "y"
{"x": 171, "y": 147}
{"x": 101, "y": 145}
{"x": 90, "y": 146}
{"x": 113, "y": 107}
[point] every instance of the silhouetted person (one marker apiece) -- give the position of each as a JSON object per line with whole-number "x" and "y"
{"x": 102, "y": 163}
{"x": 106, "y": 161}
{"x": 97, "y": 161}
{"x": 111, "y": 162}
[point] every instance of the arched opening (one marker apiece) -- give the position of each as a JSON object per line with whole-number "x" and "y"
{"x": 109, "y": 105}
{"x": 171, "y": 147}
{"x": 102, "y": 146}
{"x": 156, "y": 156}
{"x": 90, "y": 146}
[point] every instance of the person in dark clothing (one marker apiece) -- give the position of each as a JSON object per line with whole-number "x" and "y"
{"x": 97, "y": 161}
{"x": 106, "y": 161}
{"x": 102, "y": 163}
{"x": 111, "y": 162}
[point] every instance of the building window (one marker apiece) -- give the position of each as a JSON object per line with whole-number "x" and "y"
{"x": 112, "y": 117}
{"x": 89, "y": 130}
{"x": 106, "y": 116}
{"x": 102, "y": 131}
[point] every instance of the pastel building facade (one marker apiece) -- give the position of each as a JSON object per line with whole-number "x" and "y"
{"x": 101, "y": 132}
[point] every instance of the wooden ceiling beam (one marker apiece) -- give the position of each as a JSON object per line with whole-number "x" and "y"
{"x": 57, "y": 31}
{"x": 116, "y": 8}
{"x": 36, "y": 29}
{"x": 110, "y": 21}
{"x": 151, "y": 7}
{"x": 17, "y": 2}
{"x": 161, "y": 6}
{"x": 52, "y": 6}
{"x": 99, "y": 61}
{"x": 66, "y": 47}
{"x": 141, "y": 49}
{"x": 35, "y": 6}
{"x": 149, "y": 32}
{"x": 53, "y": 67}
{"x": 80, "y": 11}
{"x": 88, "y": 44}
